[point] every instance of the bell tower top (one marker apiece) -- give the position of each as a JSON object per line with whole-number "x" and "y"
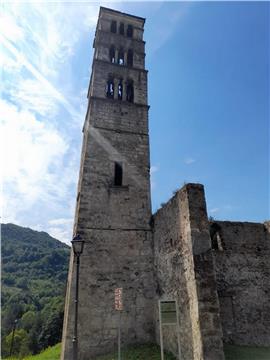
{"x": 120, "y": 23}
{"x": 118, "y": 70}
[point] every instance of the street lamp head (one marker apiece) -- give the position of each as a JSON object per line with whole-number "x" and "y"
{"x": 77, "y": 245}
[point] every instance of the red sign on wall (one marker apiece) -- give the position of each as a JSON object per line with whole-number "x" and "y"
{"x": 118, "y": 299}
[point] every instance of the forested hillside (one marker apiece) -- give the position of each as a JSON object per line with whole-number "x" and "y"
{"x": 34, "y": 273}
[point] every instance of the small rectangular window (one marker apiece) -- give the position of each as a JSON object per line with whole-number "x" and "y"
{"x": 113, "y": 26}
{"x": 122, "y": 29}
{"x": 130, "y": 31}
{"x": 118, "y": 174}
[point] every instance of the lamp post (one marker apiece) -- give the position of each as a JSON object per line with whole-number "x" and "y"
{"x": 77, "y": 246}
{"x": 12, "y": 338}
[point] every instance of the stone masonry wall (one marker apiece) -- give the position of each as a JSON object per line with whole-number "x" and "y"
{"x": 118, "y": 116}
{"x": 99, "y": 80}
{"x": 107, "y": 15}
{"x": 115, "y": 223}
{"x": 243, "y": 272}
{"x": 112, "y": 259}
{"x": 171, "y": 256}
{"x": 103, "y": 205}
{"x": 185, "y": 272}
{"x": 113, "y": 217}
{"x": 104, "y": 42}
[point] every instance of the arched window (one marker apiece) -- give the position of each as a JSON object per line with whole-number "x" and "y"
{"x": 130, "y": 91}
{"x": 121, "y": 29}
{"x": 112, "y": 54}
{"x": 113, "y": 26}
{"x": 130, "y": 31}
{"x": 216, "y": 237}
{"x": 120, "y": 90}
{"x": 110, "y": 89}
{"x": 121, "y": 57}
{"x": 130, "y": 58}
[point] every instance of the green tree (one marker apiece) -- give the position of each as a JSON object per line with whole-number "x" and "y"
{"x": 52, "y": 330}
{"x": 9, "y": 280}
{"x": 34, "y": 270}
{"x": 52, "y": 316}
{"x": 22, "y": 283}
{"x": 28, "y": 320}
{"x": 19, "y": 343}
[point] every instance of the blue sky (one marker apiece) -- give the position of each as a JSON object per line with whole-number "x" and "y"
{"x": 208, "y": 87}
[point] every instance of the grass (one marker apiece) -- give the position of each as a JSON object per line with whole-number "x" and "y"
{"x": 139, "y": 352}
{"x": 152, "y": 352}
{"x": 233, "y": 352}
{"x": 52, "y": 353}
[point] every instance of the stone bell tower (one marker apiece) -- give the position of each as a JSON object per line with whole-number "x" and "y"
{"x": 113, "y": 209}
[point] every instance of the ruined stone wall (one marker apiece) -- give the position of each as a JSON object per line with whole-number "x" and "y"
{"x": 185, "y": 272}
{"x": 243, "y": 271}
{"x": 171, "y": 254}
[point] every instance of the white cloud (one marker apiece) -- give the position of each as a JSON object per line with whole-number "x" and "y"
{"x": 154, "y": 169}
{"x": 214, "y": 210}
{"x": 61, "y": 229}
{"x": 61, "y": 221}
{"x": 31, "y": 95}
{"x": 40, "y": 170}
{"x": 60, "y": 233}
{"x": 37, "y": 50}
{"x": 9, "y": 28}
{"x": 30, "y": 146}
{"x": 32, "y": 154}
{"x": 48, "y": 32}
{"x": 16, "y": 92}
{"x": 189, "y": 160}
